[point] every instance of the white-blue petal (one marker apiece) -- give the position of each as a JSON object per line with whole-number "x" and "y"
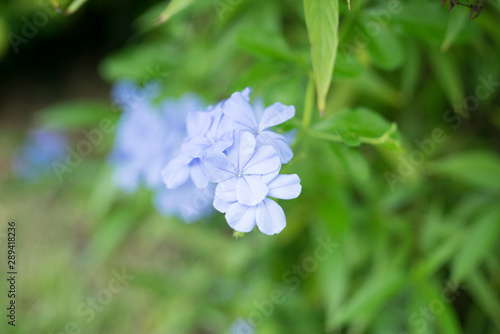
{"x": 220, "y": 205}
{"x": 197, "y": 174}
{"x": 242, "y": 149}
{"x": 241, "y": 217}
{"x": 285, "y": 186}
{"x": 176, "y": 172}
{"x": 265, "y": 160}
{"x": 239, "y": 110}
{"x": 275, "y": 114}
{"x": 279, "y": 143}
{"x": 251, "y": 190}
{"x": 198, "y": 123}
{"x": 226, "y": 190}
{"x": 218, "y": 167}
{"x": 270, "y": 217}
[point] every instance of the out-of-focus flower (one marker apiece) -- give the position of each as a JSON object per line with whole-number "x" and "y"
{"x": 148, "y": 137}
{"x": 41, "y": 148}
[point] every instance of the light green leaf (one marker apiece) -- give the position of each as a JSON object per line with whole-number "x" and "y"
{"x": 75, "y": 115}
{"x": 322, "y": 20}
{"x": 174, "y": 7}
{"x": 74, "y": 6}
{"x": 477, "y": 168}
{"x": 386, "y": 50}
{"x": 357, "y": 126}
{"x": 479, "y": 243}
{"x": 369, "y": 298}
{"x": 448, "y": 75}
{"x": 456, "y": 23}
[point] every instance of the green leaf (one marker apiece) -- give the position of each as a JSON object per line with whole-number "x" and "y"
{"x": 456, "y": 23}
{"x": 74, "y": 115}
{"x": 174, "y": 7}
{"x": 386, "y": 50}
{"x": 266, "y": 44}
{"x": 479, "y": 169}
{"x": 448, "y": 75}
{"x": 487, "y": 298}
{"x": 74, "y": 6}
{"x": 369, "y": 298}
{"x": 478, "y": 245}
{"x": 357, "y": 126}
{"x": 322, "y": 20}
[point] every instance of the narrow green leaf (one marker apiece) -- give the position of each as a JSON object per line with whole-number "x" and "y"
{"x": 448, "y": 75}
{"x": 173, "y": 7}
{"x": 74, "y": 6}
{"x": 485, "y": 296}
{"x": 479, "y": 243}
{"x": 322, "y": 20}
{"x": 477, "y": 168}
{"x": 369, "y": 298}
{"x": 456, "y": 23}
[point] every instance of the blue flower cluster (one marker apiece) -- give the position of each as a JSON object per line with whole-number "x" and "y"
{"x": 231, "y": 145}
{"x": 148, "y": 136}
{"x": 41, "y": 148}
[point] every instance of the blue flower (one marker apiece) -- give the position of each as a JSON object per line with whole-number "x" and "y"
{"x": 245, "y": 176}
{"x": 41, "y": 148}
{"x": 258, "y": 120}
{"x": 207, "y": 132}
{"x": 148, "y": 137}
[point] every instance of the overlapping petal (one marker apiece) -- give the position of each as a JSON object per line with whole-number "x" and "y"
{"x": 241, "y": 217}
{"x": 275, "y": 114}
{"x": 251, "y": 190}
{"x": 278, "y": 142}
{"x": 285, "y": 186}
{"x": 270, "y": 217}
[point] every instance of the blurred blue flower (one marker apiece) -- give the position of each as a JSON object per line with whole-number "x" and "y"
{"x": 41, "y": 148}
{"x": 245, "y": 176}
{"x": 148, "y": 137}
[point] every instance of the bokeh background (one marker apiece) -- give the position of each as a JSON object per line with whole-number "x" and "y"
{"x": 398, "y": 223}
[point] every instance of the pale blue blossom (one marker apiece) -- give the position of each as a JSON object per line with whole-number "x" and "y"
{"x": 41, "y": 148}
{"x": 148, "y": 136}
{"x": 246, "y": 175}
{"x": 258, "y": 120}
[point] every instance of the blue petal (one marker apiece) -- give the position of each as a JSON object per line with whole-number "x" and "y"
{"x": 220, "y": 205}
{"x": 251, "y": 190}
{"x": 242, "y": 149}
{"x": 275, "y": 114}
{"x": 176, "y": 172}
{"x": 226, "y": 190}
{"x": 285, "y": 186}
{"x": 218, "y": 167}
{"x": 198, "y": 123}
{"x": 265, "y": 160}
{"x": 270, "y": 217}
{"x": 197, "y": 174}
{"x": 239, "y": 110}
{"x": 241, "y": 217}
{"x": 279, "y": 143}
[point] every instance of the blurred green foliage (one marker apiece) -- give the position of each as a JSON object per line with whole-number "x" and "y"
{"x": 402, "y": 173}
